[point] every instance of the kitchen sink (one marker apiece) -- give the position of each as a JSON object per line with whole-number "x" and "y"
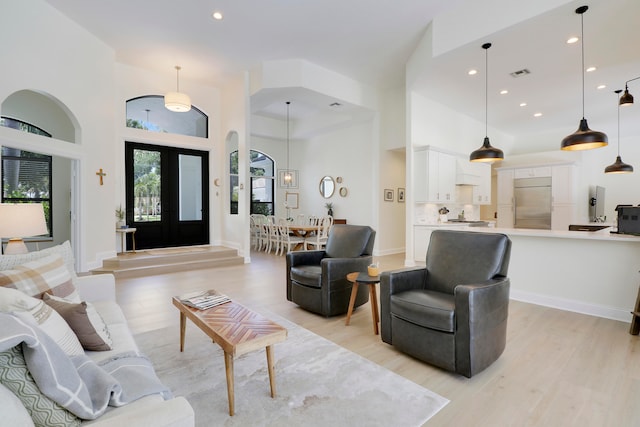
{"x": 590, "y": 227}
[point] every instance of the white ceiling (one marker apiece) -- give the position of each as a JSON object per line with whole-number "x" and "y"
{"x": 371, "y": 42}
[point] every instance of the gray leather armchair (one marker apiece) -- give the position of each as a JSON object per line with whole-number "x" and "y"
{"x": 317, "y": 280}
{"x": 452, "y": 313}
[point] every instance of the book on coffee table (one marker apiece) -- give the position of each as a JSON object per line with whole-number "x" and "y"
{"x": 204, "y": 299}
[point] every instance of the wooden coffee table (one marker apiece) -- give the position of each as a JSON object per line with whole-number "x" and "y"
{"x": 237, "y": 330}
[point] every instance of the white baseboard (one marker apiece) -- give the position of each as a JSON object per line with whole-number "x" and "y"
{"x": 572, "y": 305}
{"x": 392, "y": 251}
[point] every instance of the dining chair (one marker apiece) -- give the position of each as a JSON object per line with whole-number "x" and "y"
{"x": 302, "y": 219}
{"x": 289, "y": 241}
{"x": 274, "y": 236}
{"x": 319, "y": 239}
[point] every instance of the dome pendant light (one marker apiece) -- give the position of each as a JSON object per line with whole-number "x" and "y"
{"x": 583, "y": 138}
{"x": 618, "y": 166}
{"x": 287, "y": 174}
{"x": 486, "y": 153}
{"x": 627, "y": 98}
{"x": 176, "y": 101}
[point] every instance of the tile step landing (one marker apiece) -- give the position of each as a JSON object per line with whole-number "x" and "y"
{"x": 148, "y": 262}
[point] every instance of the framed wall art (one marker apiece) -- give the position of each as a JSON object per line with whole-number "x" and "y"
{"x": 400, "y": 195}
{"x": 291, "y": 200}
{"x": 388, "y": 195}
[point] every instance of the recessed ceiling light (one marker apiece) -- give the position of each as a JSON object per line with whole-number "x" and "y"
{"x": 523, "y": 104}
{"x": 472, "y": 72}
{"x": 602, "y": 86}
{"x": 217, "y": 15}
{"x": 572, "y": 40}
{"x": 590, "y": 69}
{"x": 504, "y": 92}
{"x": 537, "y": 115}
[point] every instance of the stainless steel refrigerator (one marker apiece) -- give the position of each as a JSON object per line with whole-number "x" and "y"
{"x": 532, "y": 203}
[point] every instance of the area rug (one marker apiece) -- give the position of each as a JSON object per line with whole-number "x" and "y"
{"x": 318, "y": 383}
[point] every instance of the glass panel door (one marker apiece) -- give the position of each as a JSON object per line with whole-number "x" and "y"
{"x": 190, "y": 187}
{"x": 167, "y": 195}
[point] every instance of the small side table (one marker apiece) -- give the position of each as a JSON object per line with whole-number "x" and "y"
{"x": 371, "y": 281}
{"x": 123, "y": 241}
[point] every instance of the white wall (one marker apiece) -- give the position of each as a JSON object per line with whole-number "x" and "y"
{"x": 347, "y": 153}
{"x": 79, "y": 74}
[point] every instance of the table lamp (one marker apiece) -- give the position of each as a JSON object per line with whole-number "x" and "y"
{"x": 18, "y": 220}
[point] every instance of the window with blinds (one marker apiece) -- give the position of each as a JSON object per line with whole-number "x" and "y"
{"x": 26, "y": 176}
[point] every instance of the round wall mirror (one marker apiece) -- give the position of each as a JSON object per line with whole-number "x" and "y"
{"x": 327, "y": 187}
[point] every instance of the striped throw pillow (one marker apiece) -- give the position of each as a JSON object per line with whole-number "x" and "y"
{"x": 44, "y": 275}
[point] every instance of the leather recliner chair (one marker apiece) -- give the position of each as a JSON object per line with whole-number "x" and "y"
{"x": 317, "y": 280}
{"x": 452, "y": 313}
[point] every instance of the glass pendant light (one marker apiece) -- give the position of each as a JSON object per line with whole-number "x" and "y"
{"x": 583, "y": 138}
{"x": 486, "y": 153}
{"x": 618, "y": 166}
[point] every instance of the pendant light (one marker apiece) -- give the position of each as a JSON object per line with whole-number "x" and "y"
{"x": 287, "y": 174}
{"x": 486, "y": 153}
{"x": 618, "y": 166}
{"x": 583, "y": 138}
{"x": 176, "y": 101}
{"x": 627, "y": 98}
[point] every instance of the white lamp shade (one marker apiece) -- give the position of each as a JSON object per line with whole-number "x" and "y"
{"x": 178, "y": 102}
{"x": 22, "y": 220}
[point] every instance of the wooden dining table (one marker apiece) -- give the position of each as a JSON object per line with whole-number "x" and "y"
{"x": 302, "y": 231}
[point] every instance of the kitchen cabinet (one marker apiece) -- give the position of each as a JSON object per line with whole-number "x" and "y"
{"x": 434, "y": 175}
{"x": 563, "y": 195}
{"x": 505, "y": 198}
{"x": 505, "y": 187}
{"x": 505, "y": 216}
{"x": 421, "y": 237}
{"x": 537, "y": 172}
{"x": 482, "y": 191}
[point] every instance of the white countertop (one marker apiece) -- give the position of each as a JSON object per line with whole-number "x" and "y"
{"x": 557, "y": 234}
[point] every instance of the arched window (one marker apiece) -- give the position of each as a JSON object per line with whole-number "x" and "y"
{"x": 261, "y": 168}
{"x": 148, "y": 113}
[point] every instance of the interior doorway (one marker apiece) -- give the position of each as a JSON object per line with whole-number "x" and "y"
{"x": 167, "y": 195}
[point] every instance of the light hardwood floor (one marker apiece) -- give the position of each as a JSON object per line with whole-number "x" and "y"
{"x": 559, "y": 368}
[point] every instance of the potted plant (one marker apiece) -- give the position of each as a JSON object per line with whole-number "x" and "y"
{"x": 120, "y": 214}
{"x": 329, "y": 207}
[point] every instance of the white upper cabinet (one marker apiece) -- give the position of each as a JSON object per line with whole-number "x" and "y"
{"x": 434, "y": 176}
{"x": 538, "y": 172}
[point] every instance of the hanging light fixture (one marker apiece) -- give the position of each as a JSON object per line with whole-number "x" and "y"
{"x": 176, "y": 101}
{"x": 486, "y": 153}
{"x": 583, "y": 138}
{"x": 627, "y": 98}
{"x": 618, "y": 166}
{"x": 287, "y": 174}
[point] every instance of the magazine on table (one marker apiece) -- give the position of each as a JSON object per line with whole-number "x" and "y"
{"x": 204, "y": 299}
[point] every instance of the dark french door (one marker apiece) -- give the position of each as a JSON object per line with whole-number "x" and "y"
{"x": 167, "y": 195}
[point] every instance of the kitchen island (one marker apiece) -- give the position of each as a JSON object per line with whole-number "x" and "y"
{"x": 594, "y": 273}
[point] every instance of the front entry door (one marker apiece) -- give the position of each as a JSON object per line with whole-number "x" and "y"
{"x": 167, "y": 195}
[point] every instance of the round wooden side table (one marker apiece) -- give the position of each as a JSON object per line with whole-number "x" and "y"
{"x": 371, "y": 281}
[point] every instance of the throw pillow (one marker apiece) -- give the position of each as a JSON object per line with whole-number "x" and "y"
{"x": 48, "y": 274}
{"x": 15, "y": 376}
{"x": 85, "y": 321}
{"x": 13, "y": 411}
{"x": 7, "y": 262}
{"x": 35, "y": 312}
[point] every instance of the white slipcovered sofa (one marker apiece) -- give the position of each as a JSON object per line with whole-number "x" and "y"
{"x": 158, "y": 409}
